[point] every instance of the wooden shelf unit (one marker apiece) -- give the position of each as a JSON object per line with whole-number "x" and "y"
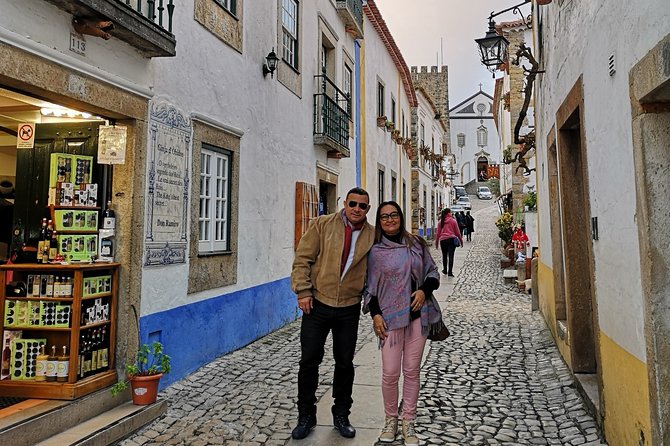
{"x": 75, "y": 387}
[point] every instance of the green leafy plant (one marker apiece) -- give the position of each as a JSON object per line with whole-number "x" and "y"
{"x": 150, "y": 360}
{"x": 505, "y": 225}
{"x": 494, "y": 185}
{"x": 530, "y": 200}
{"x": 507, "y": 155}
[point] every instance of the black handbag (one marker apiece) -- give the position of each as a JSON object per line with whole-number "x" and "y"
{"x": 440, "y": 333}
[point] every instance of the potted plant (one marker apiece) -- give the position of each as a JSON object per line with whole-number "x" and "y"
{"x": 144, "y": 374}
{"x": 381, "y": 121}
{"x": 530, "y": 201}
{"x": 389, "y": 125}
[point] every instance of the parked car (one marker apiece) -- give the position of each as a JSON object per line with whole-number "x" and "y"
{"x": 484, "y": 193}
{"x": 465, "y": 202}
{"x": 456, "y": 208}
{"x": 459, "y": 191}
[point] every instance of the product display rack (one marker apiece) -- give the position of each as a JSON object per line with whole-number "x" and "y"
{"x": 75, "y": 386}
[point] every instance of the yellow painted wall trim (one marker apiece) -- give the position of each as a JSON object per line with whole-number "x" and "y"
{"x": 547, "y": 301}
{"x": 626, "y": 416}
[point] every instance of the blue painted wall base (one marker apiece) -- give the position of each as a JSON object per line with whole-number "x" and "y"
{"x": 195, "y": 334}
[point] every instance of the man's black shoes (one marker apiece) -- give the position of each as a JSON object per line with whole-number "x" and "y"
{"x": 305, "y": 424}
{"x": 341, "y": 423}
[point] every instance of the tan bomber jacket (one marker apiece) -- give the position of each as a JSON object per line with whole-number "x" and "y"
{"x": 316, "y": 267}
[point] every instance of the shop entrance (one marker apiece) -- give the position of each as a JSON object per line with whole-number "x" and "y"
{"x": 24, "y": 173}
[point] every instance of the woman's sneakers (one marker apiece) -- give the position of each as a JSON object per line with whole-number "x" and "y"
{"x": 409, "y": 434}
{"x": 389, "y": 431}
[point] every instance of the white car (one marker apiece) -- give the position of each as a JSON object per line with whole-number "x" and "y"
{"x": 456, "y": 208}
{"x": 465, "y": 202}
{"x": 484, "y": 193}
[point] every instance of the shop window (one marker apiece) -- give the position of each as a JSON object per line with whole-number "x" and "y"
{"x": 213, "y": 223}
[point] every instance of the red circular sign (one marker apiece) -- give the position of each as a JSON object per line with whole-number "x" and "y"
{"x": 26, "y": 132}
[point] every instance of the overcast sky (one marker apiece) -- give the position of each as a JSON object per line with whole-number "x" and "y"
{"x": 418, "y": 25}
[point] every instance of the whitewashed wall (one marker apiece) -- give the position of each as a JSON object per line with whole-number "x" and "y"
{"x": 379, "y": 148}
{"x": 589, "y": 33}
{"x": 277, "y": 144}
{"x": 43, "y": 29}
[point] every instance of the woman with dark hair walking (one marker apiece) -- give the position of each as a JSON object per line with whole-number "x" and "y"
{"x": 401, "y": 279}
{"x": 446, "y": 237}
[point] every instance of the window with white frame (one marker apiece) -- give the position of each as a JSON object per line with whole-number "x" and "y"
{"x": 347, "y": 82}
{"x": 461, "y": 140}
{"x": 214, "y": 221}
{"x": 230, "y": 5}
{"x": 289, "y": 19}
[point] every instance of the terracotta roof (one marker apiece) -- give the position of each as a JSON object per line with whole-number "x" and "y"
{"x": 375, "y": 17}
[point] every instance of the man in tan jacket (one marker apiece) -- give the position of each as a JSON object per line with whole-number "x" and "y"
{"x": 328, "y": 276}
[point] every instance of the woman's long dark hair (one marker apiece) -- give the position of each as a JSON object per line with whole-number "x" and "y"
{"x": 409, "y": 238}
{"x": 443, "y": 217}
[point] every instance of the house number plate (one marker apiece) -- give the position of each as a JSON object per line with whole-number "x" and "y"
{"x": 77, "y": 44}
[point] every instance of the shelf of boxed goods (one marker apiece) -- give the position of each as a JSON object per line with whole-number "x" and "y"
{"x": 75, "y": 386}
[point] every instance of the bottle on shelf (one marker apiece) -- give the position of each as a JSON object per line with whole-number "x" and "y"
{"x": 63, "y": 366}
{"x": 81, "y": 371}
{"x": 41, "y": 365}
{"x": 87, "y": 355}
{"x": 103, "y": 356}
{"x": 53, "y": 246}
{"x": 42, "y": 240}
{"x": 94, "y": 351}
{"x": 52, "y": 365}
{"x": 6, "y": 360}
{"x": 109, "y": 217}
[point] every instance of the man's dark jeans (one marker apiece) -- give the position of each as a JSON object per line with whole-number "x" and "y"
{"x": 313, "y": 333}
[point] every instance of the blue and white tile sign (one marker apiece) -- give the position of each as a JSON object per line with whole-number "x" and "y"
{"x": 168, "y": 186}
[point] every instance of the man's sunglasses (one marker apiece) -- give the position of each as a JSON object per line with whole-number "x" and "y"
{"x": 353, "y": 204}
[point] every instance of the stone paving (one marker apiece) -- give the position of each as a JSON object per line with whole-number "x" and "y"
{"x": 499, "y": 380}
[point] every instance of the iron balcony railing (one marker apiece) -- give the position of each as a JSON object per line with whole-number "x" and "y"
{"x": 157, "y": 11}
{"x": 353, "y": 9}
{"x": 331, "y": 116}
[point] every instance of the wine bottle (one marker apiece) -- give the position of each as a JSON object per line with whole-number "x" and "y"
{"x": 6, "y": 360}
{"x": 63, "y": 366}
{"x": 87, "y": 355}
{"x": 94, "y": 352}
{"x": 53, "y": 246}
{"x": 108, "y": 217}
{"x": 80, "y": 357}
{"x": 43, "y": 238}
{"x": 41, "y": 365}
{"x": 52, "y": 364}
{"x": 104, "y": 350}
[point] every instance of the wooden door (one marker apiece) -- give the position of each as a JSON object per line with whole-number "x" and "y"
{"x": 32, "y": 171}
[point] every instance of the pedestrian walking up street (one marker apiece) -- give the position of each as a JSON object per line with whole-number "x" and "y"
{"x": 497, "y": 380}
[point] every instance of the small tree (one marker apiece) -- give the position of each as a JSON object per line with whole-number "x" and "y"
{"x": 494, "y": 186}
{"x": 505, "y": 224}
{"x": 530, "y": 200}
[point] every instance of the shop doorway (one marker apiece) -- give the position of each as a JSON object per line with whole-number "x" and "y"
{"x": 33, "y": 166}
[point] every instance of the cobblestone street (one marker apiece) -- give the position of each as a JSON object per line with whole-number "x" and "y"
{"x": 498, "y": 379}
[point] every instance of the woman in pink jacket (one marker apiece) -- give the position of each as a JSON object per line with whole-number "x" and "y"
{"x": 446, "y": 237}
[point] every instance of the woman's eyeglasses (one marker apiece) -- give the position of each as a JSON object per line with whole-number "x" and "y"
{"x": 392, "y": 215}
{"x": 353, "y": 204}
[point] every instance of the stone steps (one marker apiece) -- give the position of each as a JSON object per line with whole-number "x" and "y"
{"x": 96, "y": 419}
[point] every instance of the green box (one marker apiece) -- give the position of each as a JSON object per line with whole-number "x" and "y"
{"x": 60, "y": 168}
{"x": 97, "y": 285}
{"x": 23, "y": 365}
{"x": 77, "y": 247}
{"x": 76, "y": 220}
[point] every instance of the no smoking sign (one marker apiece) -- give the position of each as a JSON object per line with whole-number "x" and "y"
{"x": 25, "y": 136}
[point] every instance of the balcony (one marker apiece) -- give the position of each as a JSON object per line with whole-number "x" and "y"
{"x": 144, "y": 24}
{"x": 351, "y": 13}
{"x": 331, "y": 119}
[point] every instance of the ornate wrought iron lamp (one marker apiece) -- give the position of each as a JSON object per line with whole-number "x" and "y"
{"x": 270, "y": 64}
{"x": 493, "y": 46}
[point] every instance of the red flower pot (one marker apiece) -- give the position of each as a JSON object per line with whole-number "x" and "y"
{"x": 144, "y": 389}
